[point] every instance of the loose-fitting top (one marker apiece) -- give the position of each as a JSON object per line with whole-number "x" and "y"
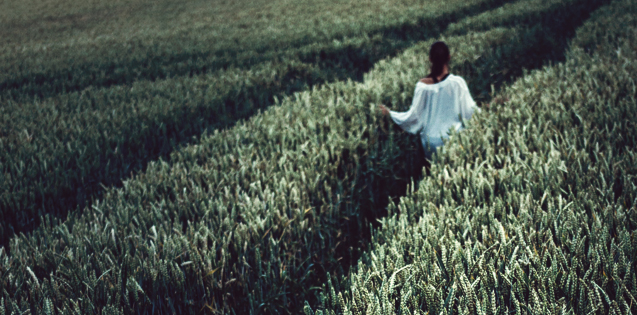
{"x": 435, "y": 109}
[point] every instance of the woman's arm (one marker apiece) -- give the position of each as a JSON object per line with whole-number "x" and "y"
{"x": 468, "y": 105}
{"x": 412, "y": 120}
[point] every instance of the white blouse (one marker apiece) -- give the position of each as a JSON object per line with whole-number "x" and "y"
{"x": 435, "y": 109}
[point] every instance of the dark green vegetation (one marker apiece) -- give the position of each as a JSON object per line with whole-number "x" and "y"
{"x": 251, "y": 219}
{"x": 75, "y": 63}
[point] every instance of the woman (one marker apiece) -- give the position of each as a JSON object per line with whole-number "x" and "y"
{"x": 441, "y": 101}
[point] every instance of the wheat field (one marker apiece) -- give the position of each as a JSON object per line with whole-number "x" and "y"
{"x": 228, "y": 157}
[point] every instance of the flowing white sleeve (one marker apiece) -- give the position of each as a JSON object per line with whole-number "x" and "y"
{"x": 412, "y": 121}
{"x": 468, "y": 105}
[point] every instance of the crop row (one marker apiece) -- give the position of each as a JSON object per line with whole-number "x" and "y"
{"x": 252, "y": 217}
{"x": 46, "y": 70}
{"x": 57, "y": 153}
{"x": 533, "y": 209}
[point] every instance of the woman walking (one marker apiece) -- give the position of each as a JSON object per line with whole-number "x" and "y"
{"x": 441, "y": 102}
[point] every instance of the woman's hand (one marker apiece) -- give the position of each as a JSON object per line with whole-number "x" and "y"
{"x": 383, "y": 109}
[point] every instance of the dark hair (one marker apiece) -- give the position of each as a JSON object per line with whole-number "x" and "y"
{"x": 439, "y": 56}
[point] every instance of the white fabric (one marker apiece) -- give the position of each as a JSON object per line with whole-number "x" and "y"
{"x": 435, "y": 109}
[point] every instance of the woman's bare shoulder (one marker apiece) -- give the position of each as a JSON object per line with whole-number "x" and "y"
{"x": 427, "y": 81}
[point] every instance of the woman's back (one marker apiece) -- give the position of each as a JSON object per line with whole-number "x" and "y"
{"x": 436, "y": 108}
{"x": 441, "y": 102}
